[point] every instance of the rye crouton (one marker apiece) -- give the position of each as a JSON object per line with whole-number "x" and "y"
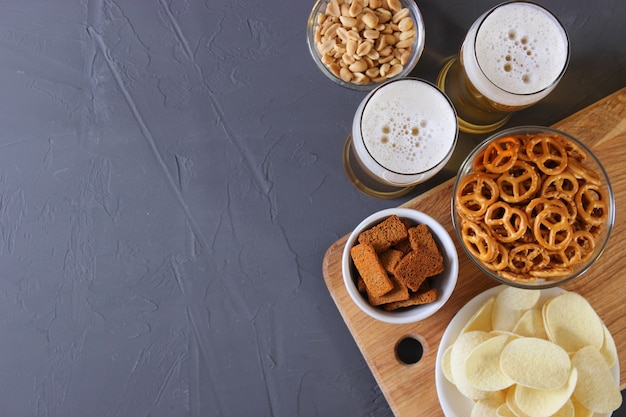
{"x": 390, "y": 259}
{"x": 421, "y": 238}
{"x": 399, "y": 293}
{"x": 371, "y": 270}
{"x": 416, "y": 266}
{"x": 414, "y": 299}
{"x": 387, "y": 233}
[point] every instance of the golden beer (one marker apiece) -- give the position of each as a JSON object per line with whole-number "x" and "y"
{"x": 403, "y": 133}
{"x": 512, "y": 57}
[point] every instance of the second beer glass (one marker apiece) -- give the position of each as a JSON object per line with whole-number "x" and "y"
{"x": 512, "y": 57}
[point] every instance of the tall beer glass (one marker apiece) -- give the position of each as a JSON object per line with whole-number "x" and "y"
{"x": 512, "y": 57}
{"x": 403, "y": 133}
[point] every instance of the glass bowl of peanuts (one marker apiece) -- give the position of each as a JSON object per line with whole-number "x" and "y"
{"x": 399, "y": 265}
{"x": 359, "y": 44}
{"x": 532, "y": 207}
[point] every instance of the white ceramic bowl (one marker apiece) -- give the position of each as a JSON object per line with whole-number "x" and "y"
{"x": 444, "y": 282}
{"x": 453, "y": 403}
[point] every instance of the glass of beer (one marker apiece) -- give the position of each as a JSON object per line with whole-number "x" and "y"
{"x": 512, "y": 57}
{"x": 403, "y": 133}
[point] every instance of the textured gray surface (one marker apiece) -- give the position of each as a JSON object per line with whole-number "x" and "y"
{"x": 170, "y": 179}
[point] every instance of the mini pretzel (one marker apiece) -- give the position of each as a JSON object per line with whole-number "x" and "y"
{"x": 548, "y": 154}
{"x": 551, "y": 272}
{"x": 474, "y": 194}
{"x": 523, "y": 139}
{"x": 593, "y": 230}
{"x": 480, "y": 168}
{"x": 592, "y": 204}
{"x": 512, "y": 276}
{"x": 501, "y": 154}
{"x": 527, "y": 257}
{"x": 564, "y": 182}
{"x": 573, "y": 150}
{"x": 519, "y": 184}
{"x": 565, "y": 258}
{"x": 584, "y": 242}
{"x": 582, "y": 172}
{"x": 506, "y": 223}
{"x": 478, "y": 241}
{"x": 567, "y": 201}
{"x": 552, "y": 229}
{"x": 501, "y": 260}
{"x": 535, "y": 205}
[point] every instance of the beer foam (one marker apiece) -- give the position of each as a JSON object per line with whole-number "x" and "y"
{"x": 408, "y": 127}
{"x": 520, "y": 48}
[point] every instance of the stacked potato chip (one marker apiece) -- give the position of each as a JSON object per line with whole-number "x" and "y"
{"x": 518, "y": 357}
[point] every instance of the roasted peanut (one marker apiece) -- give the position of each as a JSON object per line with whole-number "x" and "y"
{"x": 347, "y": 21}
{"x": 406, "y": 43}
{"x": 356, "y": 8}
{"x": 333, "y": 9}
{"x": 405, "y": 57}
{"x": 373, "y": 72}
{"x": 364, "y": 48}
{"x": 405, "y": 24}
{"x": 394, "y": 5}
{"x": 364, "y": 41}
{"x": 371, "y": 34}
{"x": 370, "y": 19}
{"x": 358, "y": 66}
{"x": 351, "y": 47}
{"x": 360, "y": 78}
{"x": 335, "y": 69}
{"x": 399, "y": 15}
{"x": 394, "y": 70}
{"x": 345, "y": 75}
{"x": 406, "y": 35}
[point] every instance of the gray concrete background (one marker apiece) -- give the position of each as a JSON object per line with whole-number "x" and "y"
{"x": 170, "y": 179}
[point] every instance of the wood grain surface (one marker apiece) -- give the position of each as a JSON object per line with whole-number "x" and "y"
{"x": 410, "y": 389}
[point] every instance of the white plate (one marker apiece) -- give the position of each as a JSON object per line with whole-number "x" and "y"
{"x": 453, "y": 403}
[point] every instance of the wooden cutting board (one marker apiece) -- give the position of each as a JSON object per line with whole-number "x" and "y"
{"x": 410, "y": 389}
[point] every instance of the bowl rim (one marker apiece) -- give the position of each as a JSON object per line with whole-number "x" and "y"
{"x": 415, "y": 56}
{"x": 530, "y": 129}
{"x": 416, "y": 313}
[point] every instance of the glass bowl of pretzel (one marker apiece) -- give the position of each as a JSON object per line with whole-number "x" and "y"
{"x": 532, "y": 207}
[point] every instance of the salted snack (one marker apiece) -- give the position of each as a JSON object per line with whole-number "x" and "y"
{"x": 525, "y": 355}
{"x": 532, "y": 208}
{"x": 365, "y": 41}
{"x": 395, "y": 262}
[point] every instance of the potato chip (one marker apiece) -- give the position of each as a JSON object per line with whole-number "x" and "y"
{"x": 580, "y": 410}
{"x": 608, "y": 349}
{"x": 482, "y": 365}
{"x": 509, "y": 306}
{"x": 596, "y": 388}
{"x": 512, "y": 405}
{"x": 535, "y": 363}
{"x": 488, "y": 407}
{"x": 531, "y": 325}
{"x": 505, "y": 411}
{"x": 446, "y": 366}
{"x": 462, "y": 347}
{"x": 572, "y": 323}
{"x": 567, "y": 410}
{"x": 544, "y": 403}
{"x": 481, "y": 319}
